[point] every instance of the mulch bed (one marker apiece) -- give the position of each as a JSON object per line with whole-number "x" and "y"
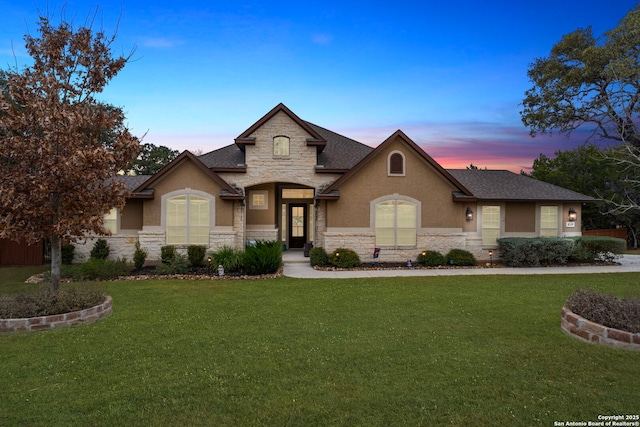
{"x": 415, "y": 266}
{"x": 194, "y": 273}
{"x": 205, "y": 273}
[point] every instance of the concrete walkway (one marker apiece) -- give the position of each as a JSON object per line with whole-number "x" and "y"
{"x": 297, "y": 265}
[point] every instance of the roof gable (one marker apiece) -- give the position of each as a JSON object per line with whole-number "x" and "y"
{"x": 330, "y": 191}
{"x": 245, "y": 137}
{"x": 227, "y": 192}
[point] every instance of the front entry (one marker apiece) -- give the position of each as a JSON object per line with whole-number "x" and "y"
{"x": 297, "y": 225}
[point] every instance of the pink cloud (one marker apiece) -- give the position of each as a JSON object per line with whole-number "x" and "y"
{"x": 490, "y": 145}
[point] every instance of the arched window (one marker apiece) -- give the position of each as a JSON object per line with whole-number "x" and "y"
{"x": 396, "y": 164}
{"x": 396, "y": 221}
{"x": 187, "y": 219}
{"x": 281, "y": 146}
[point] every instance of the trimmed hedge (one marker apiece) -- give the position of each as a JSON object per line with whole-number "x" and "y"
{"x": 592, "y": 248}
{"x": 318, "y": 256}
{"x": 431, "y": 259}
{"x": 196, "y": 253}
{"x": 536, "y": 251}
{"x": 460, "y": 257}
{"x": 344, "y": 258}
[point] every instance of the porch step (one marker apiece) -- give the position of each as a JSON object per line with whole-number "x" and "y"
{"x": 294, "y": 256}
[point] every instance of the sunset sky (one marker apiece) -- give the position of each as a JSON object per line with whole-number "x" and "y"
{"x": 450, "y": 74}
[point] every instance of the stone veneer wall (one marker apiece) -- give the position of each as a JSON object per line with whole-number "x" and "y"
{"x": 262, "y": 234}
{"x": 586, "y": 330}
{"x": 363, "y": 243}
{"x": 56, "y": 321}
{"x": 123, "y": 246}
{"x": 120, "y": 246}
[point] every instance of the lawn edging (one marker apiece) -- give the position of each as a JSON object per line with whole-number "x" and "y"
{"x": 586, "y": 330}
{"x": 56, "y": 321}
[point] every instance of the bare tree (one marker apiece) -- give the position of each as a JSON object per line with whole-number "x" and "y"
{"x": 59, "y": 146}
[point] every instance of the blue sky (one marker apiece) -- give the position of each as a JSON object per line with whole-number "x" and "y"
{"x": 450, "y": 74}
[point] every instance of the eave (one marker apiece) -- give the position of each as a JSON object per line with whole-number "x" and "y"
{"x": 148, "y": 193}
{"x": 332, "y": 195}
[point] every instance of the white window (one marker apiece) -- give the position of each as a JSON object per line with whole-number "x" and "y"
{"x": 396, "y": 223}
{"x": 395, "y": 164}
{"x": 549, "y": 221}
{"x": 258, "y": 199}
{"x": 490, "y": 225}
{"x": 111, "y": 221}
{"x": 187, "y": 220}
{"x": 281, "y": 146}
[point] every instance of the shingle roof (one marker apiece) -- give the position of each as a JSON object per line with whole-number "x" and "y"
{"x": 228, "y": 157}
{"x": 339, "y": 153}
{"x": 132, "y": 182}
{"x": 506, "y": 185}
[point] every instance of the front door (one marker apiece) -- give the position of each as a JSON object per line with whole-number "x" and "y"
{"x": 297, "y": 225}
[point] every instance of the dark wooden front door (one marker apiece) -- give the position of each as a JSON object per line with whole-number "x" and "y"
{"x": 297, "y": 225}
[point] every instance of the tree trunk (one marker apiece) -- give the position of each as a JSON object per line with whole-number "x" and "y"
{"x": 634, "y": 236}
{"x": 56, "y": 261}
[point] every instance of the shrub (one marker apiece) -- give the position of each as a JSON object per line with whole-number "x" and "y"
{"x": 167, "y": 253}
{"x": 45, "y": 302}
{"x": 607, "y": 310}
{"x": 196, "y": 253}
{"x": 139, "y": 256}
{"x": 100, "y": 249}
{"x": 522, "y": 251}
{"x": 591, "y": 248}
{"x": 179, "y": 264}
{"x": 231, "y": 259}
{"x": 97, "y": 269}
{"x": 318, "y": 256}
{"x": 344, "y": 258}
{"x": 460, "y": 257}
{"x": 67, "y": 253}
{"x": 265, "y": 257}
{"x": 431, "y": 259}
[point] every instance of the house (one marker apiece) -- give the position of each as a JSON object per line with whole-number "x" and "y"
{"x": 289, "y": 180}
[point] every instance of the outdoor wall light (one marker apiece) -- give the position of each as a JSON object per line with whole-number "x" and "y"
{"x": 469, "y": 214}
{"x": 573, "y": 215}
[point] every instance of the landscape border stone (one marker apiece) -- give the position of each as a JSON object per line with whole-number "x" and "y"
{"x": 57, "y": 321}
{"x": 586, "y": 330}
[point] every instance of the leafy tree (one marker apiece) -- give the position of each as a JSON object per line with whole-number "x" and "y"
{"x": 589, "y": 83}
{"x": 59, "y": 146}
{"x": 595, "y": 172}
{"x": 151, "y": 159}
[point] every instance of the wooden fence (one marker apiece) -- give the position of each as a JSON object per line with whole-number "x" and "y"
{"x": 619, "y": 233}
{"x": 19, "y": 253}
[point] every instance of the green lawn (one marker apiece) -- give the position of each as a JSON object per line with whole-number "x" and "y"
{"x": 385, "y": 352}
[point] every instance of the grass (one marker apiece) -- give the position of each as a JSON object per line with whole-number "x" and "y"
{"x": 411, "y": 351}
